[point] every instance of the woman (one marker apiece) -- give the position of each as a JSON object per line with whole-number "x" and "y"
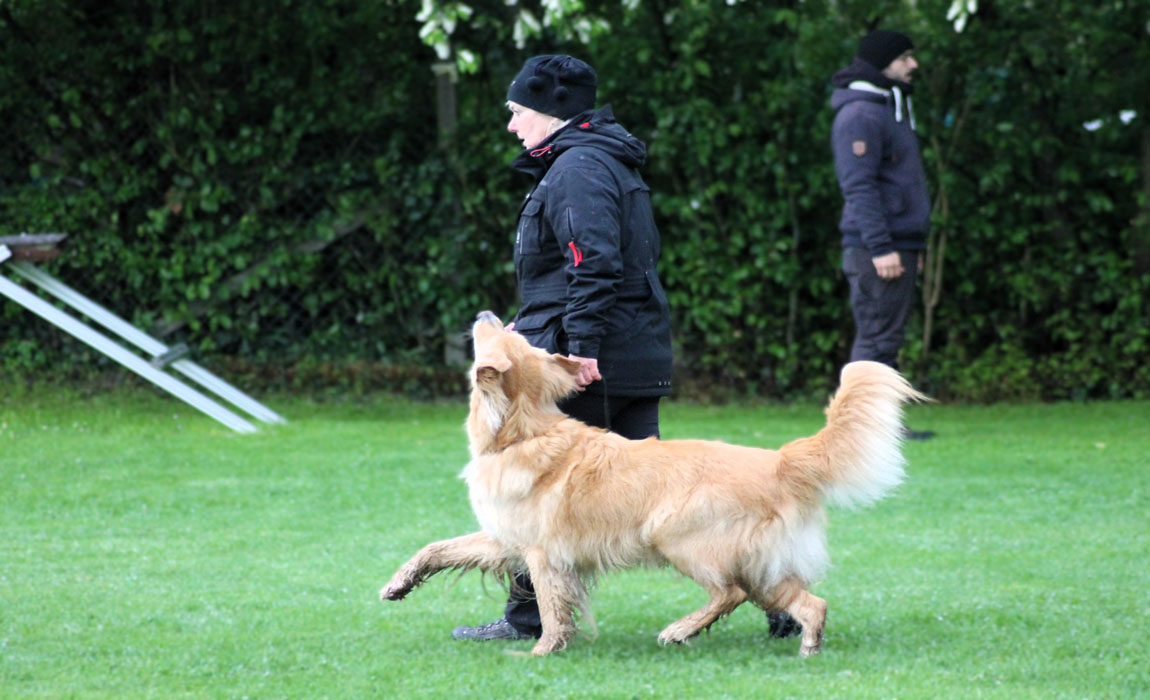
{"x": 586, "y": 250}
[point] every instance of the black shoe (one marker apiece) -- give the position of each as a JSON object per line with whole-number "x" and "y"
{"x": 500, "y": 629}
{"x": 908, "y": 434}
{"x": 783, "y": 625}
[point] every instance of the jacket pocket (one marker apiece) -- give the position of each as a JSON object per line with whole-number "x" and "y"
{"x": 658, "y": 294}
{"x": 543, "y": 330}
{"x": 529, "y": 234}
{"x": 639, "y": 303}
{"x": 893, "y": 200}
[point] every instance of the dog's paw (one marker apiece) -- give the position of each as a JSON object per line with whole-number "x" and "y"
{"x": 390, "y": 592}
{"x": 548, "y": 644}
{"x": 676, "y": 634}
{"x": 812, "y": 643}
{"x": 398, "y": 587}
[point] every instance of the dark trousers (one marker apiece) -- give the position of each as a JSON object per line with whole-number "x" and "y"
{"x": 881, "y": 307}
{"x": 634, "y": 418}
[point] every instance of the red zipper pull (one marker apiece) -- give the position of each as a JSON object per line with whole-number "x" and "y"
{"x": 575, "y": 252}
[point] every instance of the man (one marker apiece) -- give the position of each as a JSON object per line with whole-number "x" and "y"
{"x": 586, "y": 250}
{"x": 886, "y": 210}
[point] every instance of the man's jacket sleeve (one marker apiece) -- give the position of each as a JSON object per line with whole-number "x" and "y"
{"x": 858, "y": 144}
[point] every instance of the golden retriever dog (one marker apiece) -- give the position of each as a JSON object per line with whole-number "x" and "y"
{"x": 565, "y": 501}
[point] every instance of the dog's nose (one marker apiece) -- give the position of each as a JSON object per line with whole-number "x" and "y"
{"x": 486, "y": 317}
{"x": 487, "y": 321}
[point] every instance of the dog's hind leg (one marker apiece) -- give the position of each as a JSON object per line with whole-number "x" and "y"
{"x": 809, "y": 610}
{"x": 559, "y": 592}
{"x": 474, "y": 551}
{"x": 723, "y": 601}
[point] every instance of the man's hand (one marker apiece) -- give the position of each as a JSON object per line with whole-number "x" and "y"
{"x": 588, "y": 370}
{"x": 888, "y": 266}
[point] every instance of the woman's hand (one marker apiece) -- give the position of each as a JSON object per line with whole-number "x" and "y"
{"x": 588, "y": 370}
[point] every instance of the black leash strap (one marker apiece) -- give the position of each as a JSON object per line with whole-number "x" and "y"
{"x": 606, "y": 406}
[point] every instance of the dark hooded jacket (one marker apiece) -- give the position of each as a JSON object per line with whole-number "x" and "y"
{"x": 886, "y": 202}
{"x": 586, "y": 250}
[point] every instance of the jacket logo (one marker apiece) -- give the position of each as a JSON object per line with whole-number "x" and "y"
{"x": 858, "y": 148}
{"x": 578, "y": 254}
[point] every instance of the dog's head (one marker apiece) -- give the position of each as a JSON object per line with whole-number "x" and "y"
{"x": 513, "y": 385}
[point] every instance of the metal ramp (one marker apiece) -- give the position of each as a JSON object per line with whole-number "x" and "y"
{"x": 17, "y": 255}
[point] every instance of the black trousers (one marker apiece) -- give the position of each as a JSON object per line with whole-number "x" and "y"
{"x": 634, "y": 418}
{"x": 881, "y": 307}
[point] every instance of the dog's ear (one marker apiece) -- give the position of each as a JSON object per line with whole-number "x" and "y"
{"x": 572, "y": 366}
{"x": 492, "y": 363}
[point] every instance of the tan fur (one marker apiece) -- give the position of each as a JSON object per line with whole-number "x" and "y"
{"x": 565, "y": 501}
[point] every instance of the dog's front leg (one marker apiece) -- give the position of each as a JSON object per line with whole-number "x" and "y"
{"x": 558, "y": 592}
{"x": 474, "y": 551}
{"x": 723, "y": 601}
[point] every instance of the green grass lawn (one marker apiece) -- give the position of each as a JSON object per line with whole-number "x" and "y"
{"x": 148, "y": 552}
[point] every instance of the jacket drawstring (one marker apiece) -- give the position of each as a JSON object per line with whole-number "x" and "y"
{"x": 898, "y": 99}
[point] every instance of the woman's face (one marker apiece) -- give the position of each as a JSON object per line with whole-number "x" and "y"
{"x": 530, "y": 126}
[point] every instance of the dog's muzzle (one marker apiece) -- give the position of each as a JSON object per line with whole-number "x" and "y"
{"x": 486, "y": 325}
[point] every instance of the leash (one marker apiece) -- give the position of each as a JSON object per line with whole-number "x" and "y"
{"x": 606, "y": 406}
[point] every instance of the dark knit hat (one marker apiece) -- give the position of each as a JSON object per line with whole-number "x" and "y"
{"x": 881, "y": 46}
{"x": 559, "y": 86}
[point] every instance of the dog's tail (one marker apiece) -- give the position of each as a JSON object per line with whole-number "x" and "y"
{"x": 857, "y": 458}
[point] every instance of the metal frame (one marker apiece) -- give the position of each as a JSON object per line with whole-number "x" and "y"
{"x": 163, "y": 356}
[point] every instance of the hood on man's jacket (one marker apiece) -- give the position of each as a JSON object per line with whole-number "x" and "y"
{"x": 861, "y": 70}
{"x": 844, "y": 95}
{"x": 875, "y": 87}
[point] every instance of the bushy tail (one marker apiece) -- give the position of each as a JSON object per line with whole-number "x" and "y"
{"x": 857, "y": 458}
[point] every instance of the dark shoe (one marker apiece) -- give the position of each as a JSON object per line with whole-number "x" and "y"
{"x": 908, "y": 434}
{"x": 783, "y": 625}
{"x": 500, "y": 629}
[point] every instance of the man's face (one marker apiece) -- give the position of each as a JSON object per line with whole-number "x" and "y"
{"x": 530, "y": 126}
{"x": 902, "y": 68}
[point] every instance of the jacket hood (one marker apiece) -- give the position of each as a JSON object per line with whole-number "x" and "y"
{"x": 595, "y": 129}
{"x": 861, "y": 70}
{"x": 844, "y": 95}
{"x": 862, "y": 82}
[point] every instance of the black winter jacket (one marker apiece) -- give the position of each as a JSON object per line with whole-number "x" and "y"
{"x": 586, "y": 250}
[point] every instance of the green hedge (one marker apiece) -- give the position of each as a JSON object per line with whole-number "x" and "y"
{"x": 267, "y": 181}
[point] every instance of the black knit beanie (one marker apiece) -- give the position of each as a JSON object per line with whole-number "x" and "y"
{"x": 559, "y": 86}
{"x": 881, "y": 46}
